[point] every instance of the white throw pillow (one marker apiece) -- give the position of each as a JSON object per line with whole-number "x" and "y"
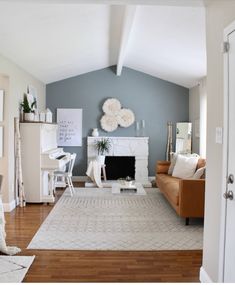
{"x": 195, "y": 155}
{"x": 174, "y": 158}
{"x": 198, "y": 174}
{"x": 185, "y": 166}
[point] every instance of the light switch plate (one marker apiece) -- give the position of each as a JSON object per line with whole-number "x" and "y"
{"x": 218, "y": 135}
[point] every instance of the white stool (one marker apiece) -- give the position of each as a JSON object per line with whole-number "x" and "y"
{"x": 67, "y": 175}
{"x": 103, "y": 171}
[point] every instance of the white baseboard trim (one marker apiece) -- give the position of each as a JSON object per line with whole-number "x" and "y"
{"x": 204, "y": 277}
{"x": 151, "y": 178}
{"x": 85, "y": 178}
{"x": 80, "y": 178}
{"x": 8, "y": 207}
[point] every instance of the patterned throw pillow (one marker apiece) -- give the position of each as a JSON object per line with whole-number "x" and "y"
{"x": 173, "y": 162}
{"x": 199, "y": 174}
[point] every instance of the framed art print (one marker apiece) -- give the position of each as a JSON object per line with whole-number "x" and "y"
{"x": 69, "y": 127}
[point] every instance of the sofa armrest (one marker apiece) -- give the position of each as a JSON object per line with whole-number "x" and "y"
{"x": 162, "y": 166}
{"x": 191, "y": 197}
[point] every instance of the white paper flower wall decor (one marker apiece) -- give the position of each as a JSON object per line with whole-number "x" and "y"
{"x": 111, "y": 106}
{"x": 125, "y": 118}
{"x": 115, "y": 115}
{"x": 109, "y": 123}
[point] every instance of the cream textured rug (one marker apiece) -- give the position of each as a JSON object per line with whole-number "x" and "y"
{"x": 95, "y": 219}
{"x": 14, "y": 268}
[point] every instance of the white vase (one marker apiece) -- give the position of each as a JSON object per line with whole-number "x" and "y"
{"x": 36, "y": 117}
{"x": 101, "y": 159}
{"x": 42, "y": 117}
{"x": 21, "y": 116}
{"x": 95, "y": 133}
{"x": 29, "y": 117}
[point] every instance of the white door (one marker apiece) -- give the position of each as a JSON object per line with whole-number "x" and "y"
{"x": 229, "y": 253}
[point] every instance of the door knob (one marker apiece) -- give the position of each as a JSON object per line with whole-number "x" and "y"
{"x": 228, "y": 195}
{"x": 230, "y": 179}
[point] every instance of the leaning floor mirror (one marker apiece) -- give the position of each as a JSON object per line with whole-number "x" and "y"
{"x": 183, "y": 138}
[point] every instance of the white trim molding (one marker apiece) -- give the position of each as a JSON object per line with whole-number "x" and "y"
{"x": 184, "y": 3}
{"x": 8, "y": 207}
{"x": 204, "y": 277}
{"x": 223, "y": 202}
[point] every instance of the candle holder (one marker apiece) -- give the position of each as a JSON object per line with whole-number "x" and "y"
{"x": 137, "y": 129}
{"x": 142, "y": 128}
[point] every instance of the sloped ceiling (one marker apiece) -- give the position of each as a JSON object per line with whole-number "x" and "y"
{"x": 57, "y": 41}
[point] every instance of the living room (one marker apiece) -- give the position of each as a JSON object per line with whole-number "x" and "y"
{"x": 79, "y": 56}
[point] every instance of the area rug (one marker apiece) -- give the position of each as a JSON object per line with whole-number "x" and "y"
{"x": 14, "y": 268}
{"x": 95, "y": 219}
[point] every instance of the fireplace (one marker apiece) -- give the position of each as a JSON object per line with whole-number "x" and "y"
{"x": 133, "y": 147}
{"x": 119, "y": 167}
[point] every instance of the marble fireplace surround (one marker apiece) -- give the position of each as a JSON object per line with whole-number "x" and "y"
{"x": 126, "y": 146}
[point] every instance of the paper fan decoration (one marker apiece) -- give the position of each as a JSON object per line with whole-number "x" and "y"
{"x": 125, "y": 118}
{"x": 111, "y": 106}
{"x": 109, "y": 123}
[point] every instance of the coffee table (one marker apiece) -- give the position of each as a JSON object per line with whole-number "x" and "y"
{"x": 136, "y": 189}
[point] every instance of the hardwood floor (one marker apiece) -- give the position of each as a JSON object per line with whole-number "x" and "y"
{"x": 96, "y": 266}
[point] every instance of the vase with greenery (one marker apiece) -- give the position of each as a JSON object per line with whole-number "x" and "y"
{"x": 102, "y": 146}
{"x": 28, "y": 109}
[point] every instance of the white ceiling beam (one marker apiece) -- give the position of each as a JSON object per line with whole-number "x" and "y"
{"x": 128, "y": 22}
{"x": 186, "y": 3}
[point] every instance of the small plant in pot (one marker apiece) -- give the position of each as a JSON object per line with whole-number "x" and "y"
{"x": 103, "y": 146}
{"x": 28, "y": 109}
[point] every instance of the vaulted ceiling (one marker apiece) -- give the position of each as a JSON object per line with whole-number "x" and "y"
{"x": 54, "y": 41}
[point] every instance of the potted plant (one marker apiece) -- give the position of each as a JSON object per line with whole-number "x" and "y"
{"x": 27, "y": 109}
{"x": 103, "y": 146}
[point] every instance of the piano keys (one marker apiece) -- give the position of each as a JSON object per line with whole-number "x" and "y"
{"x": 54, "y": 159}
{"x": 40, "y": 158}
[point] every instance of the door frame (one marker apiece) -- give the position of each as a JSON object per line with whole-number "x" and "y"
{"x": 227, "y": 31}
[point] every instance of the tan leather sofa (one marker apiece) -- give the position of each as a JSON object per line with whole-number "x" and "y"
{"x": 186, "y": 196}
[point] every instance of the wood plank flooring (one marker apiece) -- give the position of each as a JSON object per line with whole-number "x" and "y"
{"x": 96, "y": 266}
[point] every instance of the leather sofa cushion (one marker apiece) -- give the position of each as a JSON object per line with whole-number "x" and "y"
{"x": 170, "y": 185}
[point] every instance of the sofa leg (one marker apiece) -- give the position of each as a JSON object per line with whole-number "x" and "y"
{"x": 186, "y": 221}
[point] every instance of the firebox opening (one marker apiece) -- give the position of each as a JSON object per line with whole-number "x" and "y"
{"x": 119, "y": 167}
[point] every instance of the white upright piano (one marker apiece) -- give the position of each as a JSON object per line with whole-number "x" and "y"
{"x": 40, "y": 158}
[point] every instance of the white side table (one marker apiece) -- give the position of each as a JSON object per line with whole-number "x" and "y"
{"x": 118, "y": 188}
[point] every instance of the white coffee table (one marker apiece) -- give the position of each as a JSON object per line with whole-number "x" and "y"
{"x": 136, "y": 189}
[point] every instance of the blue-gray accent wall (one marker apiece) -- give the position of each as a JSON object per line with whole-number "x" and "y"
{"x": 152, "y": 99}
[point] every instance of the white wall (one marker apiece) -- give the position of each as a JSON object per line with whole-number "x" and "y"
{"x": 4, "y": 84}
{"x": 219, "y": 14}
{"x": 17, "y": 82}
{"x": 194, "y": 114}
{"x": 197, "y": 111}
{"x": 203, "y": 117}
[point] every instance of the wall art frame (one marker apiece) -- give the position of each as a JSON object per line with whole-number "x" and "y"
{"x": 69, "y": 127}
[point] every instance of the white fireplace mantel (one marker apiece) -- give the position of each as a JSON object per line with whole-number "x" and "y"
{"x": 126, "y": 146}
